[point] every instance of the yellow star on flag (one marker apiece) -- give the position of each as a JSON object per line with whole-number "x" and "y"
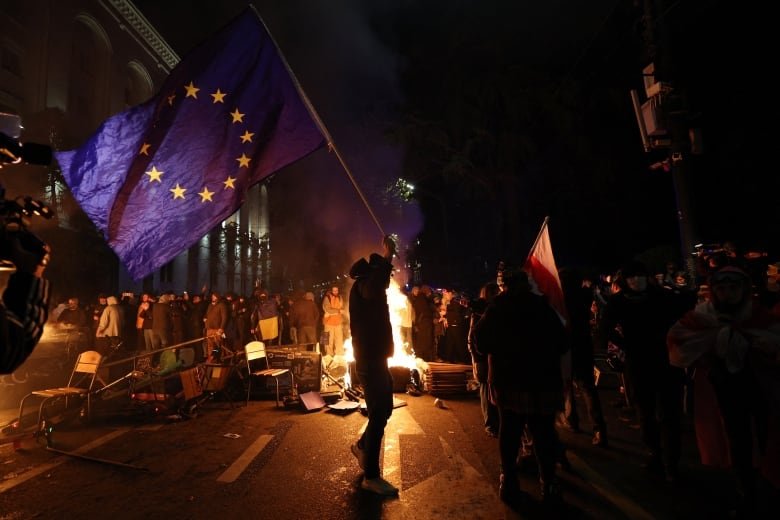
{"x": 218, "y": 96}
{"x": 243, "y": 161}
{"x": 154, "y": 174}
{"x": 238, "y": 117}
{"x": 206, "y": 195}
{"x": 178, "y": 192}
{"x": 192, "y": 90}
{"x": 230, "y": 183}
{"x": 144, "y": 149}
{"x": 247, "y": 137}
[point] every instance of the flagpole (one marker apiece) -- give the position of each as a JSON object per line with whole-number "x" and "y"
{"x": 538, "y": 236}
{"x": 320, "y": 124}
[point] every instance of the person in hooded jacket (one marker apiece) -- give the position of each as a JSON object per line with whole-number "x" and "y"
{"x": 372, "y": 343}
{"x": 109, "y": 327}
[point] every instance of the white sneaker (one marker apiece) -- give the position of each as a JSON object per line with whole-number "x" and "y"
{"x": 359, "y": 455}
{"x": 379, "y": 486}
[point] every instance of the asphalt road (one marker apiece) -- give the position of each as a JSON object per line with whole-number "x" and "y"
{"x": 263, "y": 461}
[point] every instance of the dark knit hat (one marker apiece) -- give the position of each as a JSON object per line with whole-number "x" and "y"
{"x": 359, "y": 269}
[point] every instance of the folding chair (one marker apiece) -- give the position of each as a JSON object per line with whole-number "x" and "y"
{"x": 256, "y": 350}
{"x": 80, "y": 385}
{"x": 215, "y": 380}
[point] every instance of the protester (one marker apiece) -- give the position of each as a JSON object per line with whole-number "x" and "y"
{"x": 479, "y": 361}
{"x": 524, "y": 339}
{"x": 332, "y": 320}
{"x": 304, "y": 318}
{"x": 372, "y": 343}
{"x": 643, "y": 314}
{"x": 578, "y": 296}
{"x": 734, "y": 343}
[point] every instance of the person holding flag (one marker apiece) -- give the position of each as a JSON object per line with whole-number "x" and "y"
{"x": 523, "y": 338}
{"x": 372, "y": 342}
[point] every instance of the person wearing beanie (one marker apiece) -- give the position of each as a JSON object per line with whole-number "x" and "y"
{"x": 304, "y": 317}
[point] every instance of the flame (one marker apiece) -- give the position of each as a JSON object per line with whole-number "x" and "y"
{"x": 403, "y": 355}
{"x": 398, "y": 304}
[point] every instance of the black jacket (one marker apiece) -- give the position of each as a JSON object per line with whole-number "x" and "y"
{"x": 369, "y": 315}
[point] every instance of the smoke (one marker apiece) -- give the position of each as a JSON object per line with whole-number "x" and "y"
{"x": 320, "y": 222}
{"x": 325, "y": 218}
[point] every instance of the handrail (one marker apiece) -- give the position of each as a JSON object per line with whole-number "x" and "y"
{"x": 146, "y": 353}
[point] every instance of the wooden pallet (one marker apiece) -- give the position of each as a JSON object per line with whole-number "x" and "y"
{"x": 447, "y": 378}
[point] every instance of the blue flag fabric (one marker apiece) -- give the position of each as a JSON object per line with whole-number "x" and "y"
{"x": 156, "y": 178}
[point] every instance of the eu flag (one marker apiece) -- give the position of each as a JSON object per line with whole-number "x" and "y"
{"x": 156, "y": 178}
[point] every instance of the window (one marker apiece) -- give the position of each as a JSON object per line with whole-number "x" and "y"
{"x": 138, "y": 85}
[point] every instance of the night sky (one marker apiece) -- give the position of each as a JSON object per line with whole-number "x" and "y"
{"x": 543, "y": 88}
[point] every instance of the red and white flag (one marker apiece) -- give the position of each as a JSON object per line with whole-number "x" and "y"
{"x": 543, "y": 274}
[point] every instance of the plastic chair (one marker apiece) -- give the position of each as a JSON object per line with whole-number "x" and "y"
{"x": 255, "y": 350}
{"x": 80, "y": 384}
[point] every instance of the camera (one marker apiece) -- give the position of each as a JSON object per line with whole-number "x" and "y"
{"x": 15, "y": 239}
{"x": 13, "y": 151}
{"x": 14, "y": 219}
{"x": 706, "y": 250}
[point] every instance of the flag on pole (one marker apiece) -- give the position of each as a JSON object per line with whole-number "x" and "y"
{"x": 156, "y": 178}
{"x": 543, "y": 273}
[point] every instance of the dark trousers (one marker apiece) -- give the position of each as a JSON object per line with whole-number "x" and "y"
{"x": 743, "y": 408}
{"x": 489, "y": 410}
{"x": 657, "y": 397}
{"x": 422, "y": 339}
{"x": 587, "y": 388}
{"x": 377, "y": 383}
{"x": 542, "y": 430}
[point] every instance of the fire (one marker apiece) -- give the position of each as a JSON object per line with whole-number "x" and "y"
{"x": 397, "y": 303}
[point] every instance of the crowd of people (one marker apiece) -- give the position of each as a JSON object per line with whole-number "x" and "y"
{"x": 713, "y": 334}
{"x": 716, "y": 334}
{"x": 229, "y": 321}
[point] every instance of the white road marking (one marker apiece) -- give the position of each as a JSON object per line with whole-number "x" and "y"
{"x": 401, "y": 423}
{"x": 241, "y": 463}
{"x": 459, "y": 491}
{"x": 27, "y": 475}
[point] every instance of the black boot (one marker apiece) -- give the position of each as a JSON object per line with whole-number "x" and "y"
{"x": 508, "y": 490}
{"x": 551, "y": 494}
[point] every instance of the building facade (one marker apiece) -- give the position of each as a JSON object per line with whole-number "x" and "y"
{"x": 66, "y": 66}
